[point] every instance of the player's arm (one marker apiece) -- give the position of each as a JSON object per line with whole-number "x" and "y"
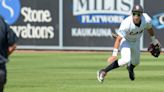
{"x": 11, "y": 49}
{"x": 115, "y": 50}
{"x": 150, "y": 29}
{"x": 151, "y": 32}
{"x": 155, "y": 47}
{"x": 152, "y": 35}
{"x": 116, "y": 45}
{"x": 121, "y": 33}
{"x": 11, "y": 38}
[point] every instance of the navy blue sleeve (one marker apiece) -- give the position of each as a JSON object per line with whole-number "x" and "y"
{"x": 11, "y": 36}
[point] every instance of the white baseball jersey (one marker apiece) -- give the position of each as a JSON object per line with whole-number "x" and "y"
{"x": 130, "y": 31}
{"x": 129, "y": 46}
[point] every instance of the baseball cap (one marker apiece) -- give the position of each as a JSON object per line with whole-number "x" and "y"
{"x": 137, "y": 8}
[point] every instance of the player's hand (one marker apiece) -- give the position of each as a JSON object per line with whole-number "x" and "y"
{"x": 155, "y": 42}
{"x": 112, "y": 59}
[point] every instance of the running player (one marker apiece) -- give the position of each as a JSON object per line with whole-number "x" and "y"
{"x": 129, "y": 33}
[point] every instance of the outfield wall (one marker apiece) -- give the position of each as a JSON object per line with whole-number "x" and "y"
{"x": 75, "y": 24}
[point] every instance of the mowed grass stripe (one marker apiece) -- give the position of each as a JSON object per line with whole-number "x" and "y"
{"x": 76, "y": 72}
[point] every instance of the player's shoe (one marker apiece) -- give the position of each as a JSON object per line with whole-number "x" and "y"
{"x": 101, "y": 75}
{"x": 131, "y": 73}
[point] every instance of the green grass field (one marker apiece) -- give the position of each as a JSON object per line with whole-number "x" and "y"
{"x": 76, "y": 72}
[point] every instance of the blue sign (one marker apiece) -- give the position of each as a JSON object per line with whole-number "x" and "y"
{"x": 101, "y": 18}
{"x": 158, "y": 20}
{"x": 10, "y": 10}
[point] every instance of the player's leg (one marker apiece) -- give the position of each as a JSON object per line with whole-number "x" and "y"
{"x": 130, "y": 68}
{"x": 2, "y": 76}
{"x": 125, "y": 58}
{"x": 102, "y": 73}
{"x": 134, "y": 60}
{"x": 136, "y": 54}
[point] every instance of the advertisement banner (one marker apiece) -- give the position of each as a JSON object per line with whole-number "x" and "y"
{"x": 75, "y": 24}
{"x": 35, "y": 22}
{"x": 156, "y": 10}
{"x": 89, "y": 23}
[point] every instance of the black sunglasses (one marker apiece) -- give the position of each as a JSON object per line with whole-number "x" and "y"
{"x": 137, "y": 14}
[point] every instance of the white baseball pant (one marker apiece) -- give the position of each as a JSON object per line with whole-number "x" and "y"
{"x": 130, "y": 52}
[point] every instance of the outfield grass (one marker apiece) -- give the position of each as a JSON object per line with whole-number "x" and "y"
{"x": 76, "y": 72}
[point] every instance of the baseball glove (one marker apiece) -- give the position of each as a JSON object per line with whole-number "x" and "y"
{"x": 155, "y": 50}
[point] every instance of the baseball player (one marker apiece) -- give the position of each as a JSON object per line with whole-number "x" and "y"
{"x": 129, "y": 33}
{"x": 7, "y": 46}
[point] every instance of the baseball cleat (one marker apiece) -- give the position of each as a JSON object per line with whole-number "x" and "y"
{"x": 101, "y": 75}
{"x": 131, "y": 73}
